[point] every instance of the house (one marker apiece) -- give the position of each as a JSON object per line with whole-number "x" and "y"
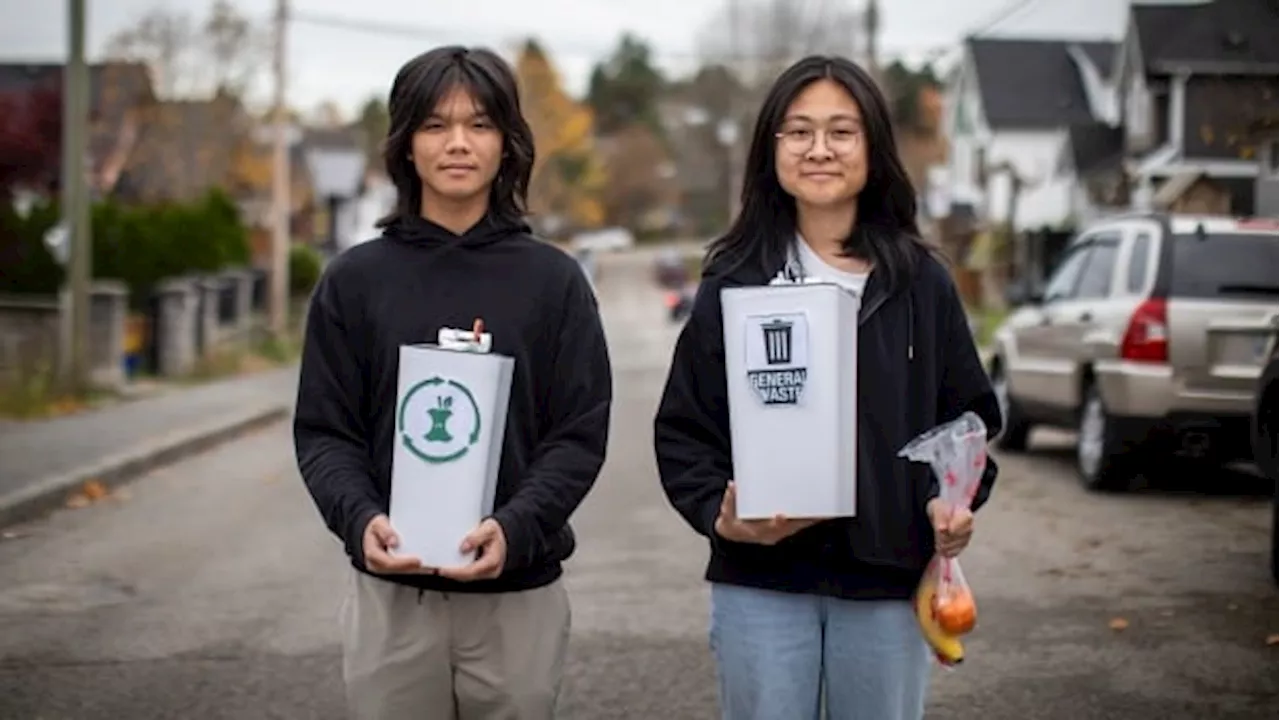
{"x": 1197, "y": 94}
{"x": 186, "y": 148}
{"x": 335, "y": 197}
{"x": 120, "y": 96}
{"x": 336, "y": 168}
{"x": 1010, "y": 104}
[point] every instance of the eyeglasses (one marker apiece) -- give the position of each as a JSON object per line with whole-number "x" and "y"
{"x": 799, "y": 141}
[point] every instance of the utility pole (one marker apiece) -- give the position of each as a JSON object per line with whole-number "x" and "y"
{"x": 279, "y": 304}
{"x": 75, "y": 196}
{"x": 732, "y": 132}
{"x": 871, "y": 25}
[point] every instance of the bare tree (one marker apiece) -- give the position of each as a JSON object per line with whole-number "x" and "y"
{"x": 759, "y": 38}
{"x": 236, "y": 49}
{"x": 756, "y": 40}
{"x": 162, "y": 39}
{"x": 220, "y": 55}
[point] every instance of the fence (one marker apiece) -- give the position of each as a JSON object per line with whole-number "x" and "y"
{"x": 180, "y": 321}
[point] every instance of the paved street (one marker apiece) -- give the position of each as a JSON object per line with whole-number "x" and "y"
{"x": 210, "y": 589}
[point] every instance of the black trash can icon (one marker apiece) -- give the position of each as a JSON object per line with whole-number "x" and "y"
{"x": 777, "y": 342}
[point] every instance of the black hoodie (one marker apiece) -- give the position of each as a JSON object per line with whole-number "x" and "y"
{"x": 401, "y": 289}
{"x": 917, "y": 368}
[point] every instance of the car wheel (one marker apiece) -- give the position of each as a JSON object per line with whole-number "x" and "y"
{"x": 1275, "y": 539}
{"x": 1016, "y": 430}
{"x": 1101, "y": 460}
{"x": 1265, "y": 445}
{"x": 1264, "y": 433}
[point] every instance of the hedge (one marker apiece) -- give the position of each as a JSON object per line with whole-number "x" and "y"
{"x": 305, "y": 267}
{"x": 141, "y": 245}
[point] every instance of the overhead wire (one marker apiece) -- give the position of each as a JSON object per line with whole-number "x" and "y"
{"x": 567, "y": 46}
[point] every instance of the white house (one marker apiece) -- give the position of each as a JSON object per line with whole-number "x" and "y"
{"x": 1010, "y": 104}
{"x": 1189, "y": 113}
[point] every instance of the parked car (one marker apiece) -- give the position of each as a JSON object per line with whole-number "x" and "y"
{"x": 1263, "y": 439}
{"x": 1148, "y": 338}
{"x": 587, "y": 261}
{"x": 671, "y": 269}
{"x": 611, "y": 239}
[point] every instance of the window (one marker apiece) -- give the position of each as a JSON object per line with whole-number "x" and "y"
{"x": 1063, "y": 282}
{"x": 1139, "y": 261}
{"x": 1095, "y": 279}
{"x": 1225, "y": 265}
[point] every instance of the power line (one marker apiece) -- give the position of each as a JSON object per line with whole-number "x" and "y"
{"x": 1001, "y": 15}
{"x": 570, "y": 47}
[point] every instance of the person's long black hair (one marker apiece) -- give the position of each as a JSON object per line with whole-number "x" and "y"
{"x": 419, "y": 87}
{"x": 885, "y": 234}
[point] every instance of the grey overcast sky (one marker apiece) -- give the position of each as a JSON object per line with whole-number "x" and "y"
{"x": 348, "y": 66}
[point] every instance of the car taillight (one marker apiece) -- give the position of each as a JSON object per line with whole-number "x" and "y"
{"x": 1147, "y": 337}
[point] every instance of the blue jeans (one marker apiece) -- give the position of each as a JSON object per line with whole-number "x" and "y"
{"x": 776, "y": 654}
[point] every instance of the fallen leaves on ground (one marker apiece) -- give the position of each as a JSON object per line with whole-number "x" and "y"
{"x": 64, "y": 406}
{"x": 1118, "y": 624}
{"x": 90, "y": 492}
{"x": 95, "y": 490}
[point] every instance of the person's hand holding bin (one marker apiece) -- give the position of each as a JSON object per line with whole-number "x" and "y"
{"x": 761, "y": 532}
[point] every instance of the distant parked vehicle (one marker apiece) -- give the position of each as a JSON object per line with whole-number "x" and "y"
{"x": 680, "y": 302}
{"x": 587, "y": 261}
{"x": 604, "y": 240}
{"x": 670, "y": 270}
{"x": 1263, "y": 439}
{"x": 1149, "y": 339}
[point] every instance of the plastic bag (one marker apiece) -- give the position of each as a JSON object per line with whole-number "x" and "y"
{"x": 944, "y": 604}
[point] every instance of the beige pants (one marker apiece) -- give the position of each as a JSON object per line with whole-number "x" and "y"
{"x": 441, "y": 656}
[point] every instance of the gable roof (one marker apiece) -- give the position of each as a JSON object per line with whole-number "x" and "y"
{"x": 1034, "y": 83}
{"x": 1221, "y": 36}
{"x": 1094, "y": 147}
{"x": 185, "y": 148}
{"x": 112, "y": 85}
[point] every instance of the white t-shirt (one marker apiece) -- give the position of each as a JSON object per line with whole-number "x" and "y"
{"x": 815, "y": 266}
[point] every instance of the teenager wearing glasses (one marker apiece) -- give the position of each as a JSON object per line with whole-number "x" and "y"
{"x": 803, "y": 610}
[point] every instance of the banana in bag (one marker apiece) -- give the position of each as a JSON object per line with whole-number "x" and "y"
{"x": 944, "y": 603}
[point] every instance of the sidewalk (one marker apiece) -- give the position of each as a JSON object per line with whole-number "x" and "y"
{"x": 41, "y": 463}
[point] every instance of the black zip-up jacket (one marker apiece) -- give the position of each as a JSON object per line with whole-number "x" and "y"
{"x": 401, "y": 289}
{"x": 917, "y": 368}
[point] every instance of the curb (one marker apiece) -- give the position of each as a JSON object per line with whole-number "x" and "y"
{"x": 50, "y": 493}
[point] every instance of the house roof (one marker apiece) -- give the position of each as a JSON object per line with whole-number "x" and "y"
{"x": 1034, "y": 83}
{"x": 185, "y": 148}
{"x": 1094, "y": 146}
{"x": 1224, "y": 36}
{"x": 111, "y": 84}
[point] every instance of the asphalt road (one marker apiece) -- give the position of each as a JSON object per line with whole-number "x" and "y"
{"x": 210, "y": 589}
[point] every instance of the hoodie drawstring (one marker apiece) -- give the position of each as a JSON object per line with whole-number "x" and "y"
{"x": 911, "y": 327}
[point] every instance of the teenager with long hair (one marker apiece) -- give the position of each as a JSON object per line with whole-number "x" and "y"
{"x": 486, "y": 640}
{"x": 812, "y": 611}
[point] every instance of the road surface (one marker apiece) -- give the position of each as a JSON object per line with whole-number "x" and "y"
{"x": 210, "y": 589}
